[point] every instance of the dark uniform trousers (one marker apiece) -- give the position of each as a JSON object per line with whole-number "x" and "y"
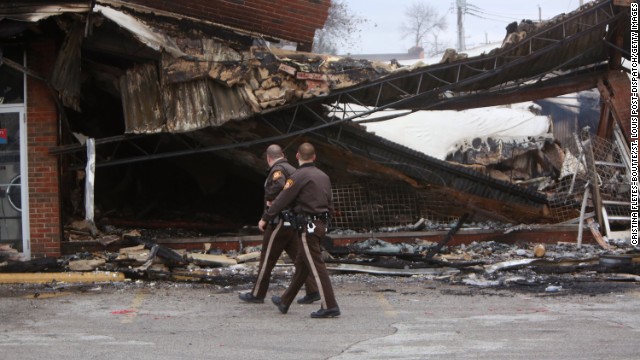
{"x": 309, "y": 262}
{"x": 276, "y": 239}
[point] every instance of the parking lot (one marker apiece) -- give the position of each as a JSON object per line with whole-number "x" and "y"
{"x": 382, "y": 318}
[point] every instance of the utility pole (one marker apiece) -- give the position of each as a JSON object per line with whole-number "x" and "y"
{"x": 435, "y": 43}
{"x": 462, "y": 8}
{"x": 539, "y": 13}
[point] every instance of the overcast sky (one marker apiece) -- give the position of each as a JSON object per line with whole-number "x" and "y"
{"x": 382, "y": 32}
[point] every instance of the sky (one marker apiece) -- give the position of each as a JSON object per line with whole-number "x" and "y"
{"x": 382, "y": 34}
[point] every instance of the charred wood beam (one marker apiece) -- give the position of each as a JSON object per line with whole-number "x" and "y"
{"x": 615, "y": 92}
{"x": 606, "y": 117}
{"x": 550, "y": 88}
{"x": 587, "y": 147}
{"x": 47, "y": 264}
{"x": 14, "y": 65}
{"x": 434, "y": 250}
{"x": 170, "y": 255}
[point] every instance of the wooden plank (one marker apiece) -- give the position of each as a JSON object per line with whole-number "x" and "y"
{"x": 75, "y": 277}
{"x": 248, "y": 257}
{"x": 389, "y": 271}
{"x": 596, "y": 234}
{"x": 623, "y": 277}
{"x": 86, "y": 265}
{"x": 132, "y": 249}
{"x": 587, "y": 146}
{"x": 213, "y": 260}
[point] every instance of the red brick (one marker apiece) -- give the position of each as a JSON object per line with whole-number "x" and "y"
{"x": 42, "y": 128}
{"x": 255, "y": 15}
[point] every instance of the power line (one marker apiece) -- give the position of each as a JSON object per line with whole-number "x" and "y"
{"x": 497, "y": 13}
{"x": 491, "y": 19}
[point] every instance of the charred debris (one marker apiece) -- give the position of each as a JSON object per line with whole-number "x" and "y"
{"x": 181, "y": 110}
{"x": 550, "y": 268}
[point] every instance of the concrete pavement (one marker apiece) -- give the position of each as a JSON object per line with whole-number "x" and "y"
{"x": 383, "y": 318}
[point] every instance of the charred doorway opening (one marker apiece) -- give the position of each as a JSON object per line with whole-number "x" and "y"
{"x": 201, "y": 192}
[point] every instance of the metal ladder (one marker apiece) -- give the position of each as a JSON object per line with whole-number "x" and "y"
{"x": 612, "y": 204}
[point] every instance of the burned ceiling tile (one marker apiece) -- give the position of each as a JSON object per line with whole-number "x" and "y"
{"x": 145, "y": 34}
{"x": 142, "y": 100}
{"x": 33, "y": 11}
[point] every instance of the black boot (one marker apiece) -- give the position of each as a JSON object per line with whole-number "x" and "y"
{"x": 278, "y": 302}
{"x": 248, "y": 297}
{"x": 326, "y": 313}
{"x": 309, "y": 298}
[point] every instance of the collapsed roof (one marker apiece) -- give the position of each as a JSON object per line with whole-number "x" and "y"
{"x": 154, "y": 85}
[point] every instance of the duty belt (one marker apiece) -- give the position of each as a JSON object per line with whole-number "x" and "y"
{"x": 313, "y": 217}
{"x": 299, "y": 220}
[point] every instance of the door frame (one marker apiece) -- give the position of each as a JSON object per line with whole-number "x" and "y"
{"x": 24, "y": 176}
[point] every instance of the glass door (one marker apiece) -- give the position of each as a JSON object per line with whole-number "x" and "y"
{"x": 14, "y": 228}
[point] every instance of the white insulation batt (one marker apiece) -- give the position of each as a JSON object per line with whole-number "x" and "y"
{"x": 438, "y": 133}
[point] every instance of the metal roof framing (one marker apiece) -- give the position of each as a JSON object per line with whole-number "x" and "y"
{"x": 409, "y": 90}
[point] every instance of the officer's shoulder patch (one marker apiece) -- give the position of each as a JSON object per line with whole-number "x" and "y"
{"x": 276, "y": 175}
{"x": 288, "y": 184}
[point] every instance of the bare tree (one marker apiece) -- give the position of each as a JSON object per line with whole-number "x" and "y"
{"x": 435, "y": 46}
{"x": 421, "y": 21}
{"x": 341, "y": 27}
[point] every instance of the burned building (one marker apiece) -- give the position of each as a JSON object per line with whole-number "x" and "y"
{"x": 158, "y": 115}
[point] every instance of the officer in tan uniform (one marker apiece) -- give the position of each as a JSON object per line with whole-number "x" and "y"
{"x": 279, "y": 235}
{"x": 308, "y": 190}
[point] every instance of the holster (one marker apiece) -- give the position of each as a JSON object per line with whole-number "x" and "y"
{"x": 289, "y": 219}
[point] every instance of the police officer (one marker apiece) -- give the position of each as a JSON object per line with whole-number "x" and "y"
{"x": 309, "y": 191}
{"x": 278, "y": 236}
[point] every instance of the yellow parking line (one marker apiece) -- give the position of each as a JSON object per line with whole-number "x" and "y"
{"x": 389, "y": 310}
{"x": 135, "y": 307}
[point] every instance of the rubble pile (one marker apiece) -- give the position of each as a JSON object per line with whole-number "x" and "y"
{"x": 481, "y": 264}
{"x": 537, "y": 267}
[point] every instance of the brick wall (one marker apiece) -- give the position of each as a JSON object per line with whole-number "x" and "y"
{"x": 44, "y": 201}
{"x": 293, "y": 20}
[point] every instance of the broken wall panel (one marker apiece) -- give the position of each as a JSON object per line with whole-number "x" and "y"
{"x": 228, "y": 104}
{"x": 203, "y": 103}
{"x": 187, "y": 106}
{"x": 142, "y": 100}
{"x": 66, "y": 75}
{"x": 180, "y": 107}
